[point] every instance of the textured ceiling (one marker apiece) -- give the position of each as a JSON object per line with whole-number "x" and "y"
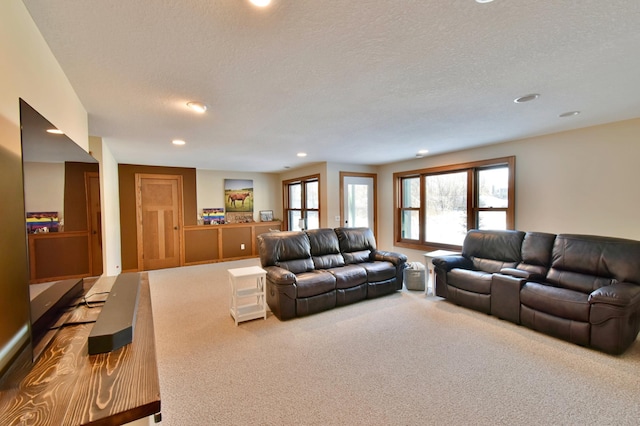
{"x": 367, "y": 82}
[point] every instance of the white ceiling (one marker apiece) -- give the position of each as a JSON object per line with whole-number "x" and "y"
{"x": 365, "y": 82}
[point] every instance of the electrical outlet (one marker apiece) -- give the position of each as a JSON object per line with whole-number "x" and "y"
{"x": 241, "y": 246}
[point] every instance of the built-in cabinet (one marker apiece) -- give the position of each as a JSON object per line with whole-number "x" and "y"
{"x": 63, "y": 255}
{"x": 216, "y": 243}
{"x": 57, "y": 256}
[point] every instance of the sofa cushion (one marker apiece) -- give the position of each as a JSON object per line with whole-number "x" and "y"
{"x": 610, "y": 258}
{"x": 323, "y": 241}
{"x": 314, "y": 283}
{"x": 576, "y": 281}
{"x": 328, "y": 261}
{"x": 497, "y": 245}
{"x": 290, "y": 250}
{"x": 559, "y": 302}
{"x": 349, "y": 276}
{"x": 379, "y": 271}
{"x": 356, "y": 244}
{"x": 357, "y": 257}
{"x": 474, "y": 281}
{"x": 297, "y": 265}
{"x": 536, "y": 248}
{"x": 491, "y": 265}
{"x": 325, "y": 249}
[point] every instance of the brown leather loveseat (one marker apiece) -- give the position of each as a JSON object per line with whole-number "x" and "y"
{"x": 581, "y": 288}
{"x": 316, "y": 270}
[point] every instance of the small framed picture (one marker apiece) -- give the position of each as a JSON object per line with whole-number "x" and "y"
{"x": 266, "y": 215}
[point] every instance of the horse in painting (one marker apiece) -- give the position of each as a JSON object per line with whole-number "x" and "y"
{"x": 238, "y": 197}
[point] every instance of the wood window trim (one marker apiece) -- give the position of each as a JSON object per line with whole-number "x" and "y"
{"x": 285, "y": 197}
{"x": 509, "y": 161}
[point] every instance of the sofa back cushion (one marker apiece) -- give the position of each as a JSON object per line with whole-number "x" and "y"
{"x": 325, "y": 248}
{"x": 290, "y": 250}
{"x": 585, "y": 262}
{"x": 491, "y": 251}
{"x": 356, "y": 244}
{"x": 536, "y": 252}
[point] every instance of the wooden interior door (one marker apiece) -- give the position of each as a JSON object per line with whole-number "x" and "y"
{"x": 92, "y": 183}
{"x": 159, "y": 217}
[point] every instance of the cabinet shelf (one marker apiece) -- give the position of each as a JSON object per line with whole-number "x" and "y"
{"x": 247, "y": 299}
{"x": 248, "y": 292}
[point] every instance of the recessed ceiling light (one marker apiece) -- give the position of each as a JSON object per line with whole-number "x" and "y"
{"x": 423, "y": 151}
{"x": 527, "y": 98}
{"x": 260, "y": 3}
{"x": 55, "y": 131}
{"x": 301, "y": 154}
{"x": 197, "y": 107}
{"x": 484, "y": 1}
{"x": 178, "y": 142}
{"x": 569, "y": 114}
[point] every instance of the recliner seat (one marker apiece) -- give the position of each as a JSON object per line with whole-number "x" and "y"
{"x": 580, "y": 288}
{"x": 315, "y": 270}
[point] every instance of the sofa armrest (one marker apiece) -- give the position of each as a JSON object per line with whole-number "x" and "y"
{"x": 617, "y": 294}
{"x": 447, "y": 263}
{"x": 520, "y": 273}
{"x": 390, "y": 256}
{"x": 280, "y": 276}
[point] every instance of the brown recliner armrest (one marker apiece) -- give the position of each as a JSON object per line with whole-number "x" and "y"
{"x": 389, "y": 256}
{"x": 520, "y": 273}
{"x": 618, "y": 294}
{"x": 280, "y": 276}
{"x": 447, "y": 263}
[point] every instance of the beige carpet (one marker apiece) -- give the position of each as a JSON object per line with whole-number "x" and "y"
{"x": 402, "y": 359}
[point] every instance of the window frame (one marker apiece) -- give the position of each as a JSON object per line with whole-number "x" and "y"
{"x": 473, "y": 209}
{"x": 302, "y": 181}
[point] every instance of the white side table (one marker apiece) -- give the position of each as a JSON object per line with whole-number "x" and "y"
{"x": 248, "y": 286}
{"x": 430, "y": 287}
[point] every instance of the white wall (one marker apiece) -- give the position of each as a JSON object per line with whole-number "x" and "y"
{"x": 44, "y": 187}
{"x": 29, "y": 71}
{"x": 110, "y": 207}
{"x": 266, "y": 190}
{"x": 580, "y": 181}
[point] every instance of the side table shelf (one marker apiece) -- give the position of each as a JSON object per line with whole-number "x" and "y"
{"x": 247, "y": 300}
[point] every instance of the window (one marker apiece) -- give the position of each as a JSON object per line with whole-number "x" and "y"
{"x": 302, "y": 203}
{"x": 436, "y": 207}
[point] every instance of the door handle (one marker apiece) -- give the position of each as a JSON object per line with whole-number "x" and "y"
{"x": 175, "y": 227}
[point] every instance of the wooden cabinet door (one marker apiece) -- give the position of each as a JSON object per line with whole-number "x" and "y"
{"x": 159, "y": 216}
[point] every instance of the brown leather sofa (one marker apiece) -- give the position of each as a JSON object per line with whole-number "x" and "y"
{"x": 581, "y": 288}
{"x": 316, "y": 270}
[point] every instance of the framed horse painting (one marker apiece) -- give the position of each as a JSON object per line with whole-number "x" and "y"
{"x": 238, "y": 199}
